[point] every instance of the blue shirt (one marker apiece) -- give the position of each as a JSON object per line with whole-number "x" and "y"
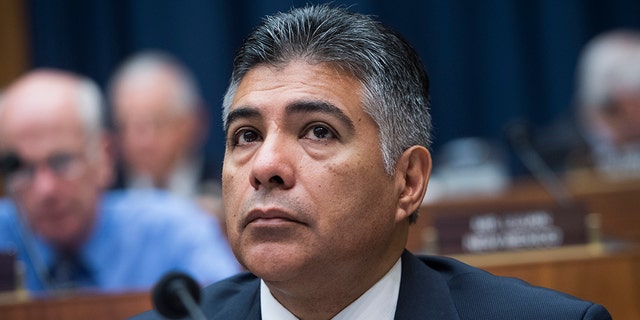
{"x": 139, "y": 236}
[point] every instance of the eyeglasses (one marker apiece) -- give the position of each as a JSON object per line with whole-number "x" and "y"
{"x": 19, "y": 174}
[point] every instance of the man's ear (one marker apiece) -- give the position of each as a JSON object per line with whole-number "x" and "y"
{"x": 412, "y": 176}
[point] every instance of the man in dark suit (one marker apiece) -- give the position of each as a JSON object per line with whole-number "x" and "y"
{"x": 326, "y": 164}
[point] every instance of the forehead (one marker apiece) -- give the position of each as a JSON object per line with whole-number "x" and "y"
{"x": 142, "y": 95}
{"x": 36, "y": 128}
{"x": 270, "y": 87}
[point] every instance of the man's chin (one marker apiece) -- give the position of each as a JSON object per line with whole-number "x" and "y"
{"x": 59, "y": 235}
{"x": 274, "y": 262}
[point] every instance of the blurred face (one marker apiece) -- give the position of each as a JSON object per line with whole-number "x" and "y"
{"x": 153, "y": 135}
{"x": 56, "y": 187}
{"x": 304, "y": 186}
{"x": 621, "y": 118}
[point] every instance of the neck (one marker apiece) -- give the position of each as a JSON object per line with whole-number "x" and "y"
{"x": 327, "y": 292}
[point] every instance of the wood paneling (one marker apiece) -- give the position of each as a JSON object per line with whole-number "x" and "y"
{"x": 606, "y": 272}
{"x": 609, "y": 276}
{"x": 13, "y": 40}
{"x": 75, "y": 307}
{"x": 616, "y": 202}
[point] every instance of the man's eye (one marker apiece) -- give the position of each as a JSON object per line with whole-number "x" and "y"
{"x": 319, "y": 132}
{"x": 10, "y": 163}
{"x": 245, "y": 136}
{"x": 60, "y": 162}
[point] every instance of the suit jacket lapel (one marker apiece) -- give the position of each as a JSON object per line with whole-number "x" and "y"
{"x": 424, "y": 294}
{"x": 234, "y": 301}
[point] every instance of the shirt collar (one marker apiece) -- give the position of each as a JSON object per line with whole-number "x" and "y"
{"x": 182, "y": 180}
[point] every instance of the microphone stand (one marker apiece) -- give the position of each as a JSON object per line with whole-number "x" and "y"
{"x": 179, "y": 288}
{"x": 176, "y": 295}
{"x": 519, "y": 139}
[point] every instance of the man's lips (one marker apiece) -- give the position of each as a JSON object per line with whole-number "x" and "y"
{"x": 268, "y": 217}
{"x": 51, "y": 213}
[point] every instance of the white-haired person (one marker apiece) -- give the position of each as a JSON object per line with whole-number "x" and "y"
{"x": 67, "y": 230}
{"x": 608, "y": 101}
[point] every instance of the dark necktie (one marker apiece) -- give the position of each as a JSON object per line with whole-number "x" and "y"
{"x": 68, "y": 272}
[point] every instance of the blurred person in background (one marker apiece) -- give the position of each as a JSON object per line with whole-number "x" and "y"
{"x": 160, "y": 127}
{"x": 69, "y": 232}
{"x": 608, "y": 100}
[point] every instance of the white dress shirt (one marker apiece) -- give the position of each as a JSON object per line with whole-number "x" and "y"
{"x": 182, "y": 181}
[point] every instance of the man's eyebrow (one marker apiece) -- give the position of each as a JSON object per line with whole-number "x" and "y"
{"x": 296, "y": 107}
{"x": 320, "y": 107}
{"x": 242, "y": 112}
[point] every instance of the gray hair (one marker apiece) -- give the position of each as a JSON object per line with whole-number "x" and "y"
{"x": 395, "y": 84}
{"x": 609, "y": 63}
{"x": 145, "y": 65}
{"x": 89, "y": 104}
{"x": 91, "y": 110}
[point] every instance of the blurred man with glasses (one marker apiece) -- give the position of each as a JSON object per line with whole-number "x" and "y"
{"x": 55, "y": 161}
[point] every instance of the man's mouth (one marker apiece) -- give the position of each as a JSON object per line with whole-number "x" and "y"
{"x": 269, "y": 218}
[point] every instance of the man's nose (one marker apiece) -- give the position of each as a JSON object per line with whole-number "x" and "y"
{"x": 274, "y": 164}
{"x": 142, "y": 135}
{"x": 44, "y": 180}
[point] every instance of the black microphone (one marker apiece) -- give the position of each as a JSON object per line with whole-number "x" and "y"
{"x": 177, "y": 295}
{"x": 519, "y": 137}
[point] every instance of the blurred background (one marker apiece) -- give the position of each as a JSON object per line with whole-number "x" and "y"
{"x": 491, "y": 63}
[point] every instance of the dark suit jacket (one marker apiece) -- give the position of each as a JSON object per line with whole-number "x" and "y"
{"x": 431, "y": 288}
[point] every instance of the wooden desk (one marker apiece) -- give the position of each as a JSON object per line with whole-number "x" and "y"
{"x": 617, "y": 203}
{"x": 74, "y": 307}
{"x": 610, "y": 277}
